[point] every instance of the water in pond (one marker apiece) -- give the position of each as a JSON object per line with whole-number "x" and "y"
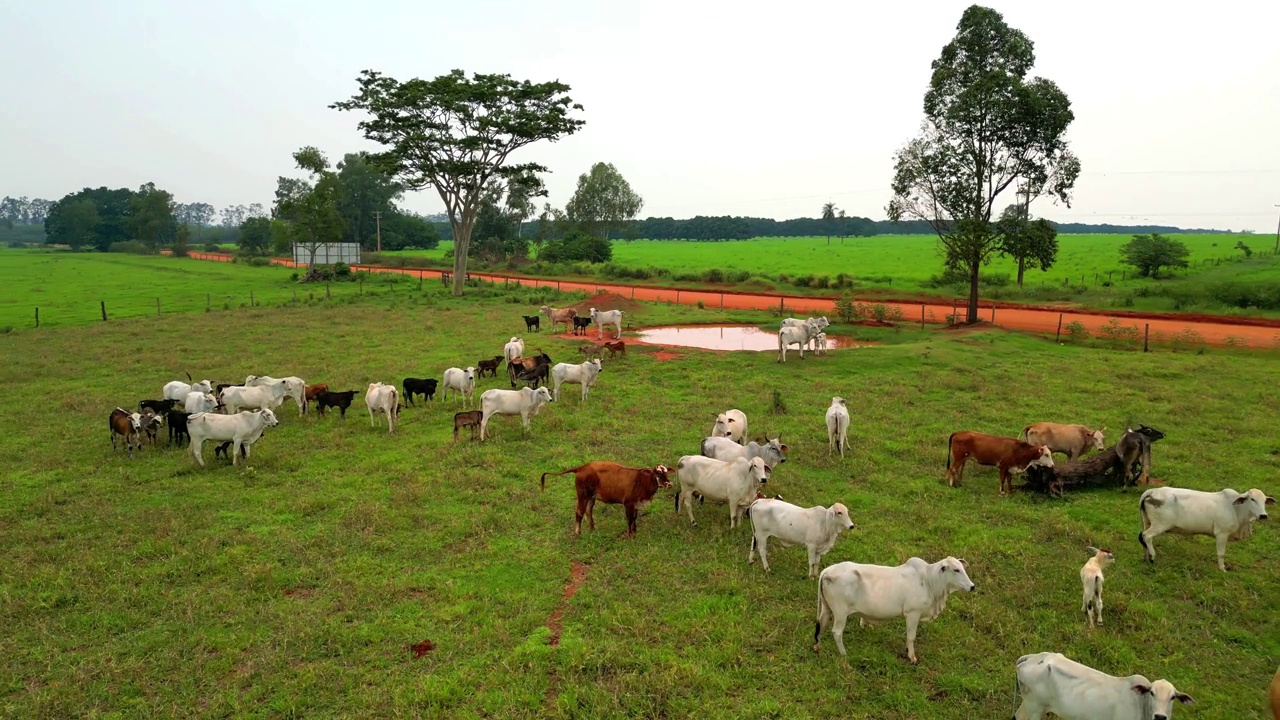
{"x": 726, "y": 337}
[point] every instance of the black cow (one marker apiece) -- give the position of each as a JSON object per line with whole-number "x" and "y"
{"x": 224, "y": 447}
{"x": 1135, "y": 446}
{"x": 340, "y": 400}
{"x": 532, "y": 322}
{"x": 581, "y": 323}
{"x": 159, "y": 407}
{"x": 177, "y": 420}
{"x": 422, "y": 386}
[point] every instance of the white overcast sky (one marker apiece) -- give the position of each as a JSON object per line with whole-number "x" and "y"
{"x": 707, "y": 107}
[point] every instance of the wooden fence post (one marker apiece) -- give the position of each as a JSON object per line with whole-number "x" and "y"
{"x": 37, "y": 317}
{"x": 251, "y": 302}
{"x": 1058, "y": 336}
{"x": 295, "y": 294}
{"x": 1146, "y": 335}
{"x": 955, "y": 304}
{"x": 921, "y": 316}
{"x": 327, "y": 295}
{"x": 782, "y": 308}
{"x": 721, "y": 301}
{"x": 993, "y": 314}
{"x": 157, "y": 307}
{"x": 208, "y": 301}
{"x": 677, "y": 296}
{"x": 103, "y": 303}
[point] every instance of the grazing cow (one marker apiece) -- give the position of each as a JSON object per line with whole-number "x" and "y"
{"x": 128, "y": 426}
{"x": 151, "y": 424}
{"x": 817, "y": 528}
{"x": 837, "y": 426}
{"x": 311, "y": 392}
{"x": 820, "y": 344}
{"x": 1010, "y": 455}
{"x": 731, "y": 424}
{"x": 222, "y": 450}
{"x": 217, "y": 389}
{"x": 426, "y": 387}
{"x": 584, "y": 375}
{"x": 467, "y": 419}
{"x": 915, "y": 590}
{"x": 1050, "y": 682}
{"x": 617, "y": 347}
{"x": 532, "y": 322}
{"x": 519, "y": 365}
{"x": 524, "y": 402}
{"x": 1091, "y": 582}
{"x": 613, "y": 484}
{"x": 242, "y": 428}
{"x": 1072, "y": 440}
{"x": 607, "y": 317}
{"x": 159, "y": 406}
{"x": 240, "y": 397}
{"x": 513, "y": 349}
{"x": 294, "y": 388}
{"x": 592, "y": 351}
{"x": 735, "y": 482}
{"x": 383, "y": 398}
{"x": 818, "y": 323}
{"x": 535, "y": 377}
{"x": 722, "y": 448}
{"x": 795, "y": 335}
{"x": 558, "y": 316}
{"x": 580, "y": 325}
{"x": 340, "y": 400}
{"x": 198, "y": 402}
{"x": 1226, "y": 515}
{"x": 490, "y": 366}
{"x": 1135, "y": 446}
{"x": 177, "y": 390}
{"x": 177, "y": 420}
{"x": 462, "y": 382}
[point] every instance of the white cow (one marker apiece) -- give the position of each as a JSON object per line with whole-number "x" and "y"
{"x": 238, "y": 397}
{"x": 916, "y": 590}
{"x": 819, "y": 324}
{"x": 817, "y": 528}
{"x": 1226, "y": 515}
{"x": 243, "y": 428}
{"x": 513, "y": 349}
{"x": 1052, "y": 682}
{"x": 462, "y": 382}
{"x": 837, "y": 426}
{"x": 722, "y": 448}
{"x": 820, "y": 344}
{"x": 608, "y": 317}
{"x": 177, "y": 390}
{"x": 198, "y": 402}
{"x": 524, "y": 402}
{"x": 735, "y": 482}
{"x": 1091, "y": 581}
{"x": 383, "y": 398}
{"x": 795, "y": 335}
{"x": 584, "y": 374}
{"x": 731, "y": 424}
{"x": 294, "y": 386}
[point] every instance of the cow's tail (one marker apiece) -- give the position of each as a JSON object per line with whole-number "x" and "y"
{"x": 1023, "y": 434}
{"x": 1097, "y": 588}
{"x": 1142, "y": 508}
{"x": 842, "y": 430}
{"x": 950, "y": 437}
{"x": 824, "y": 610}
{"x": 188, "y": 376}
{"x": 562, "y": 472}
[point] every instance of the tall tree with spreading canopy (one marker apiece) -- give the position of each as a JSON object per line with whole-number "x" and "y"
{"x": 1025, "y": 240}
{"x": 310, "y": 207}
{"x": 986, "y": 127}
{"x": 151, "y": 216}
{"x": 73, "y": 222}
{"x": 366, "y": 190}
{"x": 456, "y": 133}
{"x": 603, "y": 202}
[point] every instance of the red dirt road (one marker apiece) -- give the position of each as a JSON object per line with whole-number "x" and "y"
{"x": 1215, "y": 330}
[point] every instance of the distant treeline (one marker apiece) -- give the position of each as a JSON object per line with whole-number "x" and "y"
{"x": 727, "y": 227}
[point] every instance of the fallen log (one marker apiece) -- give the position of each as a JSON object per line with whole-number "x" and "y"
{"x": 1103, "y": 468}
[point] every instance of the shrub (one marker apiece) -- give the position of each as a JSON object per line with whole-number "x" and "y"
{"x": 255, "y": 261}
{"x": 128, "y": 246}
{"x": 821, "y": 282}
{"x": 845, "y": 308}
{"x": 1188, "y": 339}
{"x": 713, "y": 275}
{"x": 1076, "y": 331}
{"x": 803, "y": 281}
{"x": 887, "y": 313}
{"x": 779, "y": 406}
{"x": 212, "y": 247}
{"x": 740, "y": 276}
{"x": 341, "y": 270}
{"x": 701, "y": 306}
{"x": 1116, "y": 332}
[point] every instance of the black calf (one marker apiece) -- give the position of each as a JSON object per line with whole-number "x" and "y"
{"x": 177, "y": 420}
{"x": 532, "y": 322}
{"x": 424, "y": 387}
{"x": 340, "y": 400}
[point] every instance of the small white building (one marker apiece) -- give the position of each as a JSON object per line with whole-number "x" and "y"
{"x": 328, "y": 253}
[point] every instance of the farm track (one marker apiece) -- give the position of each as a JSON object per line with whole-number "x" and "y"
{"x": 1214, "y": 329}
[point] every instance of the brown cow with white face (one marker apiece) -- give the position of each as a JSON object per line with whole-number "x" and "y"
{"x": 608, "y": 482}
{"x": 1071, "y": 440}
{"x": 1008, "y": 454}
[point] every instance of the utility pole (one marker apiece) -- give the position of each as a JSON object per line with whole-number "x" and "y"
{"x": 377, "y": 216}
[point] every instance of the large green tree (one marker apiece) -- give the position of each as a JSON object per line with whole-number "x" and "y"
{"x": 456, "y": 133}
{"x": 113, "y": 209}
{"x": 151, "y": 217}
{"x": 1150, "y": 253}
{"x": 73, "y": 223}
{"x": 1029, "y": 242}
{"x": 603, "y": 201}
{"x": 986, "y": 127}
{"x": 310, "y": 206}
{"x": 255, "y": 236}
{"x": 366, "y": 189}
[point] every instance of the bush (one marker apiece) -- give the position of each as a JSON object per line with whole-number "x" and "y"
{"x": 713, "y": 275}
{"x": 212, "y": 247}
{"x": 1116, "y": 332}
{"x": 803, "y": 281}
{"x": 740, "y": 276}
{"x": 1076, "y": 331}
{"x": 128, "y": 246}
{"x": 341, "y": 270}
{"x": 821, "y": 282}
{"x": 1188, "y": 339}
{"x": 255, "y": 261}
{"x": 845, "y": 309}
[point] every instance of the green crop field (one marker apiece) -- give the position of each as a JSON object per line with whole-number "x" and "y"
{"x": 295, "y": 585}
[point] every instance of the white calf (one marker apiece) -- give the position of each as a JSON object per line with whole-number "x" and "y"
{"x": 524, "y": 402}
{"x": 177, "y": 390}
{"x": 608, "y": 317}
{"x": 731, "y": 424}
{"x": 1091, "y": 581}
{"x": 817, "y": 528}
{"x": 915, "y": 590}
{"x": 1052, "y": 683}
{"x": 462, "y": 382}
{"x": 735, "y": 482}
{"x": 837, "y": 426}
{"x": 294, "y": 387}
{"x": 242, "y": 428}
{"x": 584, "y": 374}
{"x": 722, "y": 448}
{"x": 1226, "y": 515}
{"x": 513, "y": 349}
{"x": 198, "y": 402}
{"x": 795, "y": 335}
{"x": 383, "y": 398}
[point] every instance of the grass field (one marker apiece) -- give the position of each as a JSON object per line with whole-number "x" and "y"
{"x": 295, "y": 586}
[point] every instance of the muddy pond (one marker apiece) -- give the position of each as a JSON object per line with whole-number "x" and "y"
{"x": 727, "y": 337}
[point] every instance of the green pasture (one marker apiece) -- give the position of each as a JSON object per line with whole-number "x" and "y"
{"x": 295, "y": 585}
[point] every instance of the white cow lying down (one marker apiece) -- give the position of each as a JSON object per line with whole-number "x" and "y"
{"x": 915, "y": 589}
{"x": 1226, "y": 515}
{"x": 817, "y": 528}
{"x": 1051, "y": 682}
{"x": 243, "y": 428}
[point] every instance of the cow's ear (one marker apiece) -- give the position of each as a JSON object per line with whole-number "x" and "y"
{"x": 1240, "y": 500}
{"x": 1141, "y": 689}
{"x": 784, "y": 448}
{"x": 1270, "y": 501}
{"x": 1092, "y": 550}
{"x": 963, "y": 563}
{"x": 1184, "y": 698}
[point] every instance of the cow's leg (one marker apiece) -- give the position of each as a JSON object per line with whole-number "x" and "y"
{"x": 1222, "y": 539}
{"x": 632, "y": 514}
{"x": 197, "y": 451}
{"x": 686, "y": 498}
{"x": 814, "y": 559}
{"x": 371, "y": 418}
{"x": 762, "y": 540}
{"x": 1147, "y": 538}
{"x": 838, "y": 620}
{"x": 113, "y": 442}
{"x": 578, "y": 512}
{"x": 913, "y": 624}
{"x": 1097, "y": 606}
{"x": 1029, "y": 711}
{"x": 591, "y": 512}
{"x": 1145, "y": 478}
{"x": 1005, "y": 481}
{"x": 235, "y": 451}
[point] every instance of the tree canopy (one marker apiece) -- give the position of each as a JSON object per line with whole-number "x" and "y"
{"x": 1027, "y": 241}
{"x": 603, "y": 201}
{"x": 456, "y": 133}
{"x": 310, "y": 207}
{"x": 1150, "y": 253}
{"x": 151, "y": 217}
{"x": 986, "y": 127}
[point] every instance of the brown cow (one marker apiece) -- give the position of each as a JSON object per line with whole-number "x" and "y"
{"x": 489, "y": 366}
{"x": 311, "y": 392}
{"x": 128, "y": 425}
{"x": 558, "y": 315}
{"x": 1071, "y": 440}
{"x": 1275, "y": 696}
{"x": 470, "y": 418}
{"x": 616, "y": 348}
{"x": 1006, "y": 453}
{"x": 611, "y": 483}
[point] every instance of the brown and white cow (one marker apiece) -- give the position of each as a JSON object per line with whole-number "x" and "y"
{"x": 558, "y": 315}
{"x": 611, "y": 483}
{"x": 1071, "y": 440}
{"x": 1008, "y": 454}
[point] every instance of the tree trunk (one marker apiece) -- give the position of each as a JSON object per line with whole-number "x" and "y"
{"x": 973, "y": 292}
{"x": 1022, "y": 266}
{"x": 461, "y": 246}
